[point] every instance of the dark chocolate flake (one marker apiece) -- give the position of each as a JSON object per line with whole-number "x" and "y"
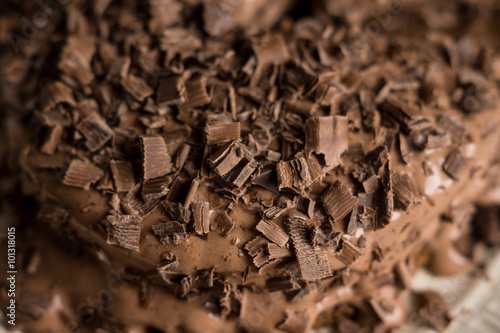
{"x": 53, "y": 140}
{"x": 170, "y": 232}
{"x": 157, "y": 162}
{"x": 313, "y": 262}
{"x": 201, "y": 217}
{"x": 124, "y": 230}
{"x": 81, "y": 174}
{"x": 219, "y": 133}
{"x": 123, "y": 175}
{"x": 171, "y": 90}
{"x": 349, "y": 253}
{"x": 455, "y": 163}
{"x": 223, "y": 222}
{"x": 156, "y": 188}
{"x": 136, "y": 87}
{"x": 228, "y": 157}
{"x": 196, "y": 92}
{"x": 433, "y": 309}
{"x": 273, "y": 232}
{"x": 276, "y": 251}
{"x": 169, "y": 261}
{"x": 282, "y": 205}
{"x": 408, "y": 115}
{"x": 293, "y": 174}
{"x": 255, "y": 245}
{"x": 453, "y": 127}
{"x": 270, "y": 50}
{"x": 95, "y": 130}
{"x": 245, "y": 173}
{"x": 338, "y": 201}
{"x": 327, "y": 136}
{"x": 385, "y": 197}
{"x": 406, "y": 192}
{"x": 371, "y": 184}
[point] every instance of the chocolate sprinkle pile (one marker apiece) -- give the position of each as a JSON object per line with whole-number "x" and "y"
{"x": 255, "y": 159}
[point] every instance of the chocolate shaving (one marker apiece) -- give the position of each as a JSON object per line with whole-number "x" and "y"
{"x": 281, "y": 206}
{"x": 123, "y": 175}
{"x": 276, "y": 251}
{"x": 296, "y": 322}
{"x": 406, "y": 148}
{"x": 268, "y": 180}
{"x": 124, "y": 230}
{"x": 354, "y": 221}
{"x": 228, "y": 157}
{"x": 182, "y": 156}
{"x": 455, "y": 163}
{"x": 136, "y": 87}
{"x": 169, "y": 260}
{"x": 409, "y": 116}
{"x": 54, "y": 138}
{"x": 281, "y": 283}
{"x": 338, "y": 201}
{"x": 171, "y": 232}
{"x": 386, "y": 200}
{"x": 179, "y": 190}
{"x": 406, "y": 192}
{"x": 81, "y": 174}
{"x": 273, "y": 232}
{"x": 293, "y": 174}
{"x": 186, "y": 285}
{"x": 76, "y": 58}
{"x": 193, "y": 189}
{"x": 133, "y": 205}
{"x": 261, "y": 258}
{"x": 245, "y": 173}
{"x": 95, "y": 130}
{"x": 319, "y": 238}
{"x": 222, "y": 133}
{"x": 371, "y": 184}
{"x": 118, "y": 69}
{"x": 377, "y": 158}
{"x": 451, "y": 126}
{"x": 433, "y": 309}
{"x": 156, "y": 160}
{"x": 201, "y": 217}
{"x": 305, "y": 205}
{"x": 349, "y": 252}
{"x": 177, "y": 211}
{"x": 437, "y": 140}
{"x": 196, "y": 92}
{"x": 327, "y": 136}
{"x": 223, "y": 222}
{"x": 270, "y": 50}
{"x": 171, "y": 90}
{"x": 256, "y": 245}
{"x": 313, "y": 262}
{"x": 156, "y": 188}
{"x": 56, "y": 93}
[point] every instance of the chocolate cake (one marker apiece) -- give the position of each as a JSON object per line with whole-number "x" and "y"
{"x": 245, "y": 166}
